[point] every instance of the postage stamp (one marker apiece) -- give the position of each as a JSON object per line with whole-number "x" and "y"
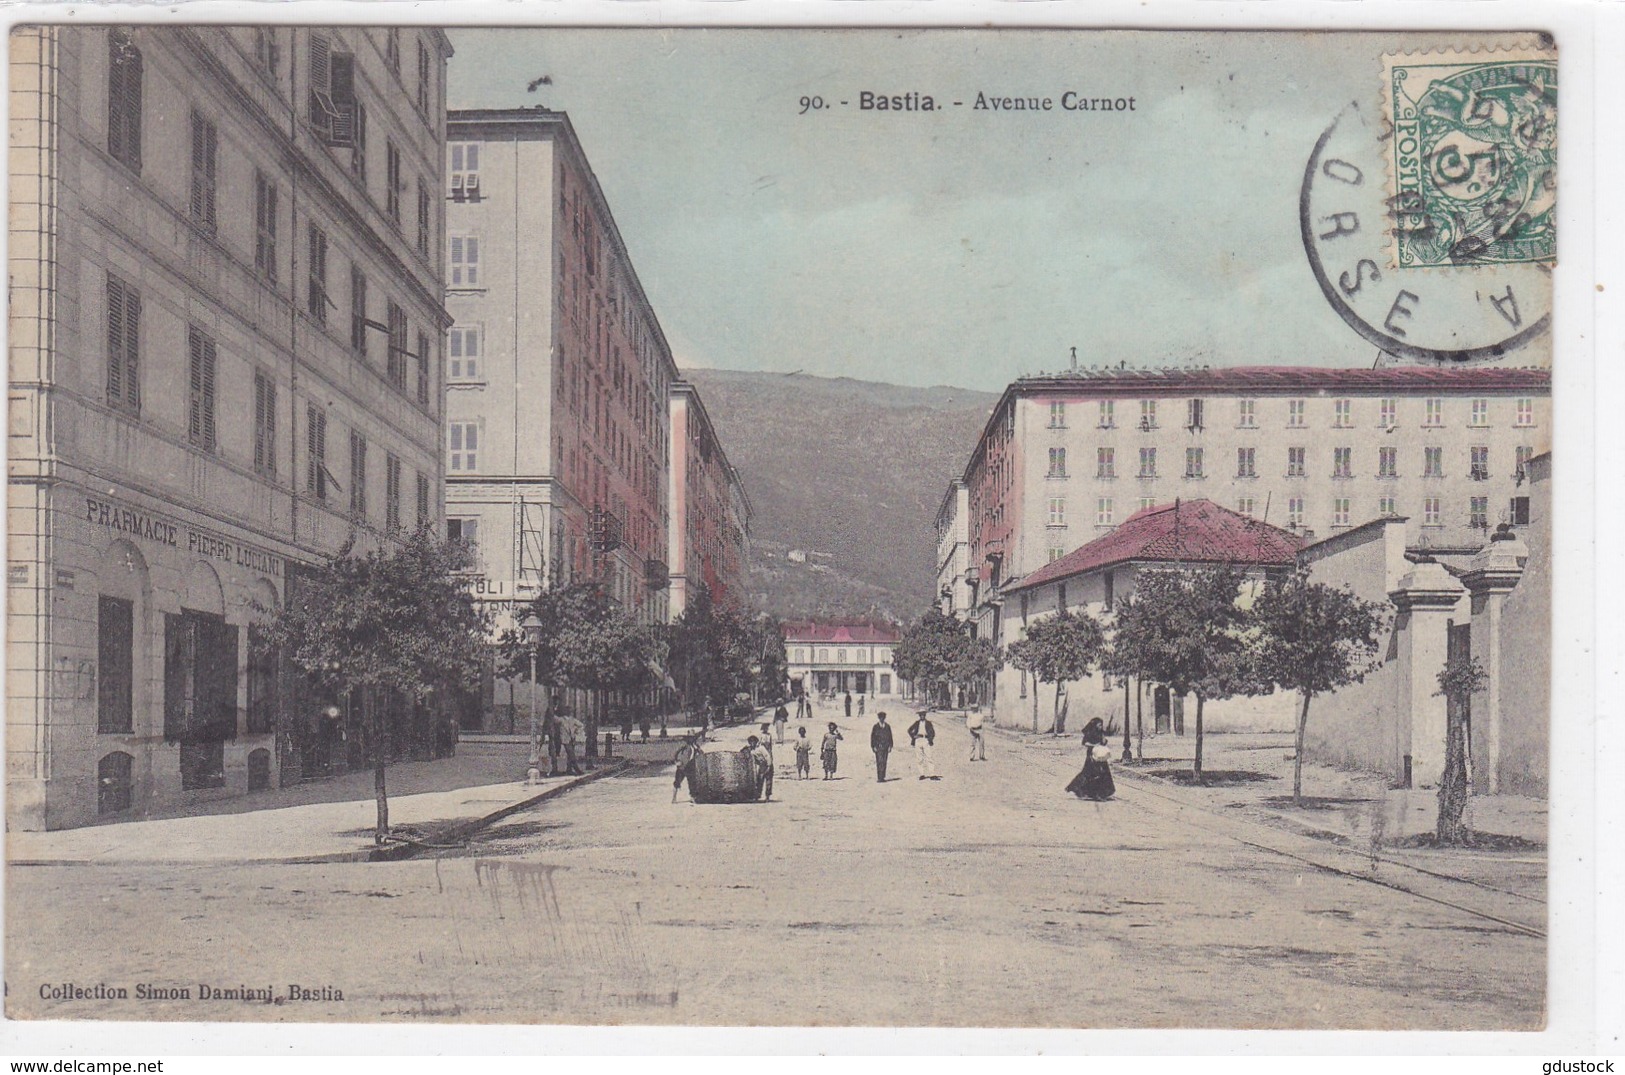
{"x": 1472, "y": 165}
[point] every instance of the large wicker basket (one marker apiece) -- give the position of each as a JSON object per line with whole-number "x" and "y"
{"x": 723, "y": 777}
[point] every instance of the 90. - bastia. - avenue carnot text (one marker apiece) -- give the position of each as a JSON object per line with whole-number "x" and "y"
{"x": 1069, "y": 101}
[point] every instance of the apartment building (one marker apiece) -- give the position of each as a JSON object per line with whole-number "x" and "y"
{"x": 226, "y": 320}
{"x": 709, "y": 544}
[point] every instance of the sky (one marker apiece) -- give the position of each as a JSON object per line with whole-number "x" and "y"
{"x": 962, "y": 247}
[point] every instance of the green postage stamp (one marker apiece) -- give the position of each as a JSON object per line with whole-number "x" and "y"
{"x": 1472, "y": 166}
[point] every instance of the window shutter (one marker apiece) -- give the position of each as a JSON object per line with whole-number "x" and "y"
{"x": 208, "y": 393}
{"x": 194, "y": 409}
{"x": 198, "y": 157}
{"x": 177, "y": 659}
{"x": 115, "y": 341}
{"x": 321, "y": 67}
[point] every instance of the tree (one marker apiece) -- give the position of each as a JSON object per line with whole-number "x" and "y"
{"x": 1057, "y": 649}
{"x": 1460, "y": 679}
{"x": 1315, "y": 638}
{"x": 392, "y": 621}
{"x": 586, "y": 643}
{"x": 1182, "y": 627}
{"x": 937, "y": 650}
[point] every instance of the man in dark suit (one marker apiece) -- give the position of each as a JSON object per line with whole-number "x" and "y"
{"x": 880, "y": 742}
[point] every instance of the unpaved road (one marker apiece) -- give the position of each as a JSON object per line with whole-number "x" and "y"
{"x": 986, "y": 898}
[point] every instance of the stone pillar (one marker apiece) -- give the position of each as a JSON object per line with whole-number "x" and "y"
{"x": 1491, "y": 576}
{"x": 1426, "y": 597}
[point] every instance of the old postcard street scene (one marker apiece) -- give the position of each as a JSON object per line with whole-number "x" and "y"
{"x": 779, "y": 527}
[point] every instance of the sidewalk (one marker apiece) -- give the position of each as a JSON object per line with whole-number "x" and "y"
{"x": 318, "y": 821}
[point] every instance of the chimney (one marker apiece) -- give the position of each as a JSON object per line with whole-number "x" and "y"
{"x": 1074, "y": 360}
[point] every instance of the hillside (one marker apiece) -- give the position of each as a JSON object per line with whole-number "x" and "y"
{"x": 845, "y": 478}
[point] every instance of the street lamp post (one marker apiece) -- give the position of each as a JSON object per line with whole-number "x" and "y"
{"x": 532, "y": 626}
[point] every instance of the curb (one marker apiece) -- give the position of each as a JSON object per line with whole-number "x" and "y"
{"x": 461, "y": 830}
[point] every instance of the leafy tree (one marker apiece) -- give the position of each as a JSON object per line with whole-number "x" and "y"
{"x": 1057, "y": 649}
{"x": 937, "y": 650}
{"x": 1182, "y": 627}
{"x": 1315, "y": 638}
{"x": 392, "y": 621}
{"x": 1459, "y": 680}
{"x": 586, "y": 643}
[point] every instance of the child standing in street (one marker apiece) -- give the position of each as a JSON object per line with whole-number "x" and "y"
{"x": 803, "y": 747}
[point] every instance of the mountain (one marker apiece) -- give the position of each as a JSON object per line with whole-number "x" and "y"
{"x": 845, "y": 478}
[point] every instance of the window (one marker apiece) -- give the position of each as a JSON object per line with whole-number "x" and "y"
{"x": 1430, "y": 511}
{"x": 358, "y": 147}
{"x": 1244, "y": 505}
{"x": 1057, "y": 511}
{"x": 1388, "y": 415}
{"x": 1245, "y": 417}
{"x": 840, "y": 656}
{"x": 1147, "y": 502}
{"x": 465, "y": 170}
{"x": 1104, "y": 510}
{"x": 1480, "y": 470}
{"x": 823, "y": 655}
{"x": 1342, "y": 462}
{"x": 1478, "y": 513}
{"x": 316, "y": 452}
{"x": 465, "y": 261}
{"x": 265, "y": 199}
{"x": 264, "y": 423}
{"x": 1480, "y": 415}
{"x": 1057, "y": 463}
{"x": 465, "y": 443}
{"x": 1340, "y": 511}
{"x": 200, "y": 694}
{"x": 1387, "y": 507}
{"x": 358, "y": 311}
{"x": 317, "y": 300}
{"x": 204, "y": 143}
{"x": 1108, "y": 584}
{"x": 1294, "y": 413}
{"x": 1432, "y": 462}
{"x": 1193, "y": 462}
{"x": 1060, "y": 597}
{"x": 267, "y": 53}
{"x": 1387, "y": 462}
{"x": 1105, "y": 462}
{"x": 424, "y": 513}
{"x": 1148, "y": 414}
{"x": 1108, "y": 418}
{"x": 1057, "y": 415}
{"x": 1055, "y": 553}
{"x": 262, "y": 683}
{"x": 1294, "y": 511}
{"x": 200, "y": 397}
{"x": 1521, "y": 458}
{"x": 1342, "y": 413}
{"x": 1435, "y": 412}
{"x": 463, "y": 363}
{"x": 463, "y": 532}
{"x": 392, "y": 492}
{"x": 395, "y": 361}
{"x": 1246, "y": 462}
{"x": 392, "y": 51}
{"x": 123, "y": 345}
{"x": 115, "y": 663}
{"x": 1148, "y": 462}
{"x": 124, "y": 98}
{"x": 1525, "y": 412}
{"x": 1193, "y": 414}
{"x": 115, "y": 783}
{"x": 423, "y": 368}
{"x": 392, "y": 181}
{"x": 358, "y": 475}
{"x": 423, "y": 217}
{"x": 1518, "y": 511}
{"x": 424, "y": 75}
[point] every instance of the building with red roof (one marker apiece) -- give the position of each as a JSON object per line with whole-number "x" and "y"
{"x": 1094, "y": 577}
{"x": 843, "y": 655}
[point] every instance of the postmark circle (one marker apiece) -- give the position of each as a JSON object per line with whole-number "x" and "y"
{"x": 1468, "y": 310}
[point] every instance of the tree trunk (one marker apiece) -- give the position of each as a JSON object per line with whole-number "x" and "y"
{"x": 1139, "y": 714}
{"x": 1453, "y": 784}
{"x": 1198, "y": 768}
{"x": 1056, "y": 728}
{"x": 1035, "y": 703}
{"x": 1128, "y": 746}
{"x": 379, "y": 762}
{"x": 594, "y": 700}
{"x": 1297, "y": 752}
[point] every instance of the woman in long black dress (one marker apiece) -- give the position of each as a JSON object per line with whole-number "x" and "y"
{"x": 1095, "y": 780}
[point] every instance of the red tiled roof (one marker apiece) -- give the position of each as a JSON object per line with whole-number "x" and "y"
{"x": 1290, "y": 378}
{"x": 841, "y": 632}
{"x": 1194, "y": 531}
